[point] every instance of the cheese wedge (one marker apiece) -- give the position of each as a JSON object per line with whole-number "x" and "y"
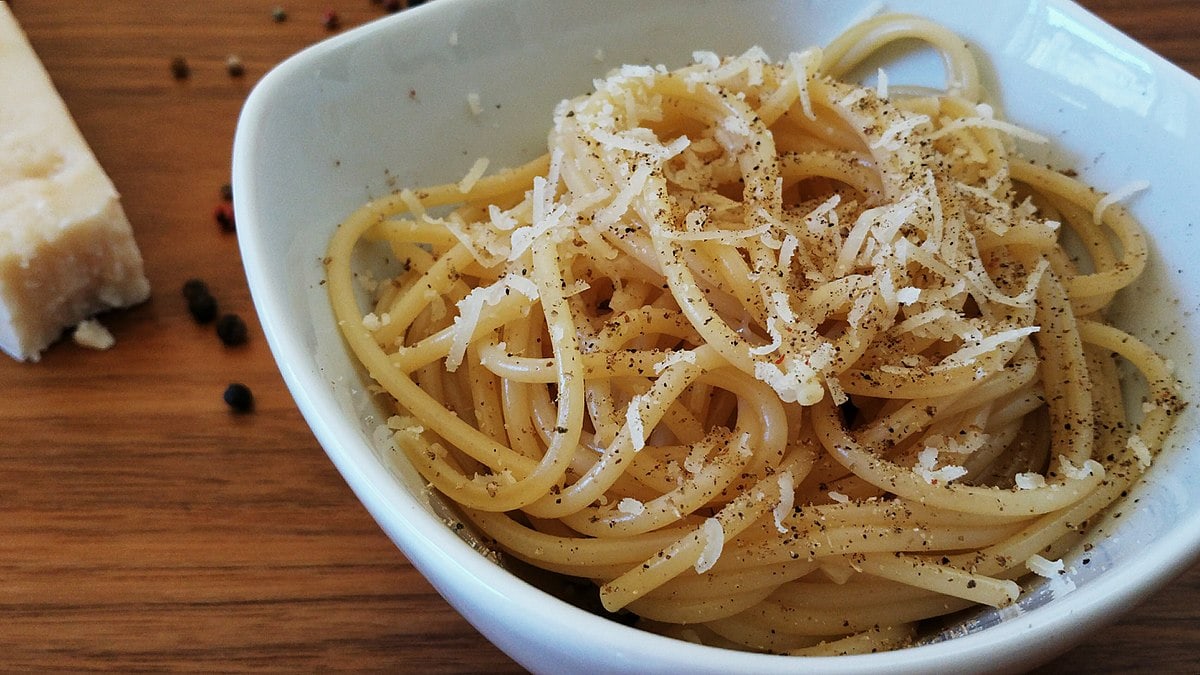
{"x": 66, "y": 248}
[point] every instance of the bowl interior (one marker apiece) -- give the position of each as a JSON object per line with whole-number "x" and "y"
{"x": 415, "y": 99}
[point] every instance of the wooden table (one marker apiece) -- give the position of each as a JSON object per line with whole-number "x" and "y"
{"x": 145, "y": 526}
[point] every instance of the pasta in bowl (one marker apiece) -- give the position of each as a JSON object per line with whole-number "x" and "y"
{"x": 782, "y": 362}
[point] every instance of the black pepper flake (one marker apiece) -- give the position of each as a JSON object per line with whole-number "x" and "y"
{"x": 227, "y": 192}
{"x": 232, "y": 330}
{"x": 180, "y": 69}
{"x": 239, "y": 397}
{"x": 393, "y": 6}
{"x": 331, "y": 20}
{"x": 279, "y": 15}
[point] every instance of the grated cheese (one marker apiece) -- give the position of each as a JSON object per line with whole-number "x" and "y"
{"x": 470, "y": 308}
{"x": 713, "y": 535}
{"x": 468, "y": 181}
{"x": 926, "y": 463}
{"x": 631, "y": 506}
{"x": 1090, "y": 468}
{"x": 633, "y": 420}
{"x": 1118, "y": 195}
{"x": 787, "y": 500}
{"x": 1029, "y": 481}
{"x": 680, "y": 356}
{"x": 1141, "y": 452}
{"x": 1042, "y": 567}
{"x": 908, "y": 295}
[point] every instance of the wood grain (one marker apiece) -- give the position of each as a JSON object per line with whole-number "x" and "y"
{"x": 145, "y": 527}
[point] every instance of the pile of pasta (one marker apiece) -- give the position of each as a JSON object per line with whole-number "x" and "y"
{"x": 779, "y": 361}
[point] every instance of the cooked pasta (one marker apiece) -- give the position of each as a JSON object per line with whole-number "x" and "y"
{"x": 779, "y": 361}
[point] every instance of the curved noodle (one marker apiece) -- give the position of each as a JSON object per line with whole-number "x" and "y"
{"x": 793, "y": 362}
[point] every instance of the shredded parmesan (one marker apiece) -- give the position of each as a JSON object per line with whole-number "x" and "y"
{"x": 471, "y": 307}
{"x": 713, "y": 535}
{"x": 468, "y": 181}
{"x": 633, "y": 420}
{"x": 926, "y": 463}
{"x": 787, "y": 500}
{"x": 680, "y": 356}
{"x": 1118, "y": 195}
{"x": 1029, "y": 481}
{"x": 1141, "y": 452}
{"x": 908, "y": 295}
{"x": 1090, "y": 468}
{"x": 631, "y": 506}
{"x": 881, "y": 84}
{"x": 1042, "y": 567}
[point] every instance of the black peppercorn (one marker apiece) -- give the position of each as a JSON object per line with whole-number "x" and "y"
{"x": 202, "y": 307}
{"x": 180, "y": 69}
{"x": 194, "y": 287}
{"x": 239, "y": 397}
{"x": 232, "y": 330}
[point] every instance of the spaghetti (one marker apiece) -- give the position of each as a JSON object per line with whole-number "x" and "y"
{"x": 778, "y": 361}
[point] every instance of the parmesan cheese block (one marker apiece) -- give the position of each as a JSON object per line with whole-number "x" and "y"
{"x": 66, "y": 248}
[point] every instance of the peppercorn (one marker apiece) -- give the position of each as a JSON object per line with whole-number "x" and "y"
{"x": 180, "y": 68}
{"x": 234, "y": 66}
{"x": 202, "y": 307}
{"x": 330, "y": 20}
{"x": 279, "y": 15}
{"x": 194, "y": 287}
{"x": 224, "y": 217}
{"x": 239, "y": 397}
{"x": 232, "y": 330}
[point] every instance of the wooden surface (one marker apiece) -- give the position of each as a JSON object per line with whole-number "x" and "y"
{"x": 145, "y": 526}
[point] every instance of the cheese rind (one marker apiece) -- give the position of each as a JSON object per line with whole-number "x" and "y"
{"x": 66, "y": 248}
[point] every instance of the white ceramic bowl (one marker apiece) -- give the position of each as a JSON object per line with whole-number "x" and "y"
{"x": 387, "y": 104}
